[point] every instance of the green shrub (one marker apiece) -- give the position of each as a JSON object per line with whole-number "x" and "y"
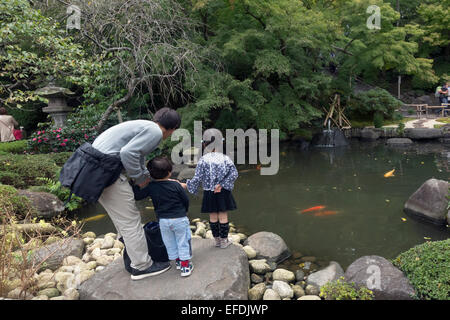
{"x": 401, "y": 129}
{"x": 365, "y": 105}
{"x": 342, "y": 290}
{"x": 25, "y": 170}
{"x": 378, "y": 119}
{"x": 12, "y": 203}
{"x": 427, "y": 266}
{"x": 14, "y": 146}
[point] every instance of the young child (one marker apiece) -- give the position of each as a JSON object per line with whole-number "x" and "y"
{"x": 217, "y": 173}
{"x": 171, "y": 205}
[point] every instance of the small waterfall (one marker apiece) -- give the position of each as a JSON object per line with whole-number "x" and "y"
{"x": 329, "y": 138}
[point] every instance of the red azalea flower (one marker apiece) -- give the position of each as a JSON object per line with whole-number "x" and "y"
{"x": 63, "y": 144}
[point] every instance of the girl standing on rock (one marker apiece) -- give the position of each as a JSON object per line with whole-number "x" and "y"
{"x": 217, "y": 174}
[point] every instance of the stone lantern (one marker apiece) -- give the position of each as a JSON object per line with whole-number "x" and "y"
{"x": 57, "y": 102}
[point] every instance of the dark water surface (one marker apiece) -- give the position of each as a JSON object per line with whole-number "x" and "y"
{"x": 348, "y": 180}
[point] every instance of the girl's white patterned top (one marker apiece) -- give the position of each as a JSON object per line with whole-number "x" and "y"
{"x": 212, "y": 169}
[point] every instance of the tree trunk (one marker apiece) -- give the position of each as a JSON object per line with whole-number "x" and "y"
{"x": 116, "y": 104}
{"x": 399, "y": 94}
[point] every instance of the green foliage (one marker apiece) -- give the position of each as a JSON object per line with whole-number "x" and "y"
{"x": 366, "y": 104}
{"x": 378, "y": 119}
{"x": 14, "y": 146}
{"x": 53, "y": 187}
{"x": 271, "y": 52}
{"x": 390, "y": 48}
{"x": 401, "y": 129}
{"x": 21, "y": 171}
{"x": 29, "y": 115}
{"x": 342, "y": 290}
{"x": 60, "y": 157}
{"x": 33, "y": 48}
{"x": 14, "y": 204}
{"x": 427, "y": 266}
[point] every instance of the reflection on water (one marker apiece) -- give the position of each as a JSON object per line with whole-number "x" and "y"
{"x": 349, "y": 181}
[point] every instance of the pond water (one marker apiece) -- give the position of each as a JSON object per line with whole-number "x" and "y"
{"x": 366, "y": 215}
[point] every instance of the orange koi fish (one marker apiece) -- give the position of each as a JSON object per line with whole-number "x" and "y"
{"x": 317, "y": 208}
{"x": 389, "y": 174}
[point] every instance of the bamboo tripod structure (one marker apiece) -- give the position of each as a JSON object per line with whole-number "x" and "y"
{"x": 336, "y": 114}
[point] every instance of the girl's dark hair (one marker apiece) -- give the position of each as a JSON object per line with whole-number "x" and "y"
{"x": 159, "y": 167}
{"x": 168, "y": 118}
{"x": 209, "y": 137}
{"x": 3, "y": 111}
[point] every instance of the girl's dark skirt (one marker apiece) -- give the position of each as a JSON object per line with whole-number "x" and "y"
{"x": 218, "y": 202}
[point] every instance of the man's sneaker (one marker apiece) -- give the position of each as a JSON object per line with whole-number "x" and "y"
{"x": 155, "y": 269}
{"x": 178, "y": 264}
{"x": 217, "y": 241}
{"x": 225, "y": 242}
{"x": 186, "y": 271}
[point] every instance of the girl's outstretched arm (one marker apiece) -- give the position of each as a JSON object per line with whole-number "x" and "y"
{"x": 194, "y": 183}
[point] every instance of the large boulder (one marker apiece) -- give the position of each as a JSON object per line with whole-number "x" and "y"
{"x": 269, "y": 246}
{"x": 218, "y": 274}
{"x": 369, "y": 135}
{"x": 430, "y": 201}
{"x": 379, "y": 275}
{"x": 46, "y": 204}
{"x": 331, "y": 273}
{"x": 423, "y": 133}
{"x": 52, "y": 255}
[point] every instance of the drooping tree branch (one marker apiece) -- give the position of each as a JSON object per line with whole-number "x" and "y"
{"x": 149, "y": 43}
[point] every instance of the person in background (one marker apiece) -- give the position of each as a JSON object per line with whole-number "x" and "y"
{"x": 443, "y": 97}
{"x": 7, "y": 124}
{"x": 443, "y": 93}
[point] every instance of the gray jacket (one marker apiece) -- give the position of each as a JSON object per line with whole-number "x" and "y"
{"x": 132, "y": 141}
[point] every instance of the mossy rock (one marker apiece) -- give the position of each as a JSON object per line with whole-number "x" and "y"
{"x": 427, "y": 267}
{"x": 14, "y": 204}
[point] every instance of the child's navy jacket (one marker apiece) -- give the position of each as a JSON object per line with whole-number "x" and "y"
{"x": 169, "y": 198}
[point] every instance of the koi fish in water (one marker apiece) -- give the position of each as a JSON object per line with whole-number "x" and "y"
{"x": 312, "y": 209}
{"x": 94, "y": 218}
{"x": 389, "y": 174}
{"x": 325, "y": 213}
